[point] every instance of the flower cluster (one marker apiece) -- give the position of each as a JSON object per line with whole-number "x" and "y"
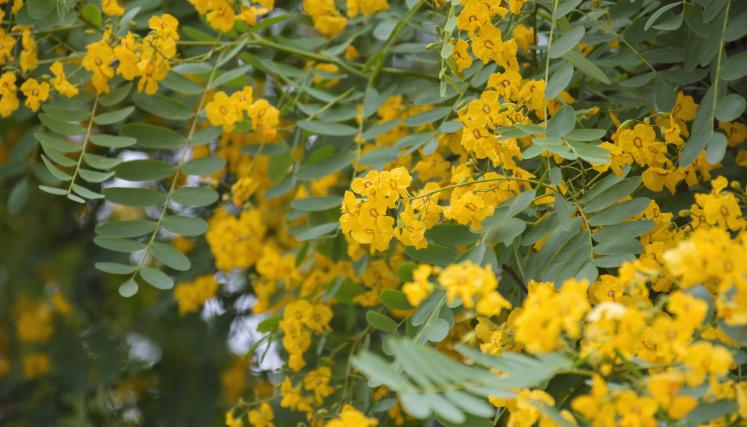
{"x": 148, "y": 59}
{"x": 222, "y": 14}
{"x": 300, "y": 320}
{"x": 226, "y": 111}
{"x": 191, "y": 295}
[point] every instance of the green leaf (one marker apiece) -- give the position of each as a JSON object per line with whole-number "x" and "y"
{"x": 116, "y": 95}
{"x": 112, "y": 141}
{"x": 562, "y": 122}
{"x": 326, "y": 166}
{"x": 586, "y": 66}
{"x": 53, "y": 190}
{"x": 405, "y": 270}
{"x": 204, "y": 166}
{"x": 734, "y": 68}
{"x": 57, "y": 157}
{"x": 119, "y": 245}
{"x": 206, "y": 135}
{"x": 451, "y": 234}
{"x": 437, "y": 330}
{"x": 566, "y": 42}
{"x": 138, "y": 197}
{"x": 150, "y": 136}
{"x": 434, "y": 254}
{"x": 327, "y": 128}
{"x": 565, "y": 8}
{"x": 381, "y": 322}
{"x": 716, "y": 148}
{"x": 656, "y": 15}
{"x": 100, "y": 162}
{"x": 316, "y": 231}
{"x": 185, "y": 225}
{"x": 709, "y": 411}
{"x": 156, "y": 278}
{"x": 164, "y": 107}
{"x": 586, "y": 134}
{"x": 91, "y": 14}
{"x": 316, "y": 204}
{"x": 112, "y": 117}
{"x": 559, "y": 80}
{"x": 65, "y": 114}
{"x": 428, "y": 116}
{"x": 629, "y": 229}
{"x": 56, "y": 142}
{"x": 592, "y": 153}
{"x": 639, "y": 80}
{"x": 18, "y": 196}
{"x": 128, "y": 288}
{"x": 180, "y": 84}
{"x": 619, "y": 246}
{"x": 144, "y": 170}
{"x": 620, "y": 212}
{"x": 614, "y": 193}
{"x": 170, "y": 256}
{"x": 86, "y": 193}
{"x": 62, "y": 176}
{"x": 195, "y": 196}
{"x": 60, "y": 127}
{"x": 132, "y": 228}
{"x": 505, "y": 231}
{"x": 115, "y": 268}
{"x": 228, "y": 76}
{"x": 94, "y": 176}
{"x": 730, "y": 107}
{"x": 394, "y": 299}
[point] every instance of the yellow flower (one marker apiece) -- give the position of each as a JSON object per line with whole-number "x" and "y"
{"x": 665, "y": 388}
{"x": 548, "y": 313}
{"x": 222, "y": 111}
{"x": 685, "y": 108}
{"x": 317, "y": 381}
{"x": 34, "y": 321}
{"x": 262, "y": 416}
{"x": 524, "y": 37}
{"x": 98, "y": 60}
{"x": 704, "y": 359}
{"x": 8, "y": 98}
{"x": 233, "y": 240}
{"x": 35, "y": 93}
{"x": 222, "y": 18}
{"x": 368, "y": 7}
{"x": 191, "y": 295}
{"x": 635, "y": 410}
{"x": 351, "y": 417}
{"x": 327, "y": 19}
{"x": 232, "y": 421}
{"x": 35, "y": 365}
{"x": 112, "y": 8}
{"x": 243, "y": 189}
{"x": 7, "y": 43}
{"x": 597, "y": 406}
{"x": 411, "y": 231}
{"x": 420, "y": 287}
{"x": 265, "y": 118}
{"x": 467, "y": 281}
{"x": 60, "y": 82}
{"x": 469, "y": 208}
{"x": 461, "y": 55}
{"x": 28, "y": 57}
{"x": 127, "y": 56}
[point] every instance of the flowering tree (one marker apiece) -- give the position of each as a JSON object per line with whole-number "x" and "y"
{"x": 361, "y": 213}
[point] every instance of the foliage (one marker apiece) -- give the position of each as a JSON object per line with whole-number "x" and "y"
{"x": 361, "y": 213}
